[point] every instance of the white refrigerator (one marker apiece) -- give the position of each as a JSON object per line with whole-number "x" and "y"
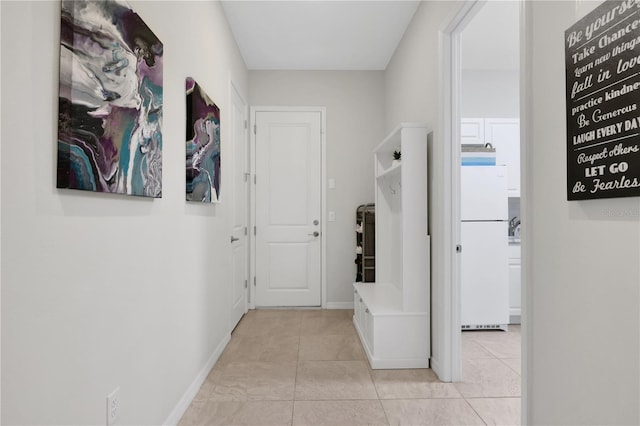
{"x": 485, "y": 242}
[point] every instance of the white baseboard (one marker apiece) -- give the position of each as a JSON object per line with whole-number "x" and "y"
{"x": 435, "y": 366}
{"x": 395, "y": 364}
{"x": 193, "y": 389}
{"x": 514, "y": 315}
{"x": 339, "y": 305}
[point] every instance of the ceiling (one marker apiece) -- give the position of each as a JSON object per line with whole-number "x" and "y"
{"x": 358, "y": 34}
{"x": 318, "y": 34}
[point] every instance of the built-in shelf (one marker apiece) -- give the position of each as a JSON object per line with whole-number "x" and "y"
{"x": 392, "y": 142}
{"x": 381, "y": 298}
{"x": 392, "y": 171}
{"x": 391, "y": 315}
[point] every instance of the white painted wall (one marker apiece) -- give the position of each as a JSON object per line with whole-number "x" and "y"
{"x": 583, "y": 259}
{"x": 583, "y": 315}
{"x": 490, "y": 93}
{"x": 412, "y": 94}
{"x": 0, "y": 223}
{"x": 355, "y": 125}
{"x": 490, "y": 48}
{"x": 100, "y": 290}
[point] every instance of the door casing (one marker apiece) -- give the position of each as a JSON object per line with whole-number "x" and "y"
{"x": 448, "y": 366}
{"x": 323, "y": 180}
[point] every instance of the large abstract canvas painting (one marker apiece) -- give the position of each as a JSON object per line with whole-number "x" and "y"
{"x": 203, "y": 145}
{"x": 110, "y": 102}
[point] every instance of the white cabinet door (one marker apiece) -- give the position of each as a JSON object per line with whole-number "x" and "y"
{"x": 515, "y": 281}
{"x": 504, "y": 135}
{"x": 472, "y": 130}
{"x": 515, "y": 292}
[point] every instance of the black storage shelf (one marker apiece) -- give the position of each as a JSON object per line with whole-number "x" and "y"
{"x": 366, "y": 243}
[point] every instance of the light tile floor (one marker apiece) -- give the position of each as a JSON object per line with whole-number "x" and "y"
{"x": 307, "y": 367}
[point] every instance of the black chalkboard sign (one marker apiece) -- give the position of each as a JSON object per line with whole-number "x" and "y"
{"x": 602, "y": 55}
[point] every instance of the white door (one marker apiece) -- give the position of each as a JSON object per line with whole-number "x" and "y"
{"x": 288, "y": 204}
{"x": 239, "y": 245}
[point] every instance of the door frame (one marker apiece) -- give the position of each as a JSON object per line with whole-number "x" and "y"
{"x": 449, "y": 99}
{"x": 526, "y": 187}
{"x": 449, "y": 367}
{"x": 233, "y": 88}
{"x": 323, "y": 203}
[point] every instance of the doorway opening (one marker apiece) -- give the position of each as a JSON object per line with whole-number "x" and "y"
{"x": 481, "y": 78}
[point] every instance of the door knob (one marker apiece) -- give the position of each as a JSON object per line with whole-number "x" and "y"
{"x": 234, "y": 239}
{"x": 315, "y": 234}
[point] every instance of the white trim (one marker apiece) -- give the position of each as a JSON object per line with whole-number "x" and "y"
{"x": 339, "y": 305}
{"x": 252, "y": 211}
{"x": 323, "y": 207}
{"x": 192, "y": 390}
{"x": 449, "y": 367}
{"x": 1, "y": 240}
{"x": 526, "y": 184}
{"x": 394, "y": 364}
{"x": 435, "y": 365}
{"x": 323, "y": 203}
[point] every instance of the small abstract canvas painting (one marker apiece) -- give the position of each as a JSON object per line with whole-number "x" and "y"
{"x": 203, "y": 146}
{"x": 110, "y": 101}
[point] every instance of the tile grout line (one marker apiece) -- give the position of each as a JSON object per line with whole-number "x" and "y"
{"x": 493, "y": 356}
{"x": 474, "y": 410}
{"x": 373, "y": 381}
{"x": 295, "y": 380}
{"x": 513, "y": 369}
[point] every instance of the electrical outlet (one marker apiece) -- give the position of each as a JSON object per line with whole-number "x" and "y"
{"x": 113, "y": 406}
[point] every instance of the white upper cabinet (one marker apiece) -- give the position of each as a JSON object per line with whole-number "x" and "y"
{"x": 472, "y": 131}
{"x": 504, "y": 135}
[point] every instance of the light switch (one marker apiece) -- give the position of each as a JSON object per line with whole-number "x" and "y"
{"x": 332, "y": 184}
{"x": 332, "y": 216}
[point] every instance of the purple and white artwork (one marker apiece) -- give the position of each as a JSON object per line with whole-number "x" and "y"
{"x": 203, "y": 145}
{"x": 110, "y": 101}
